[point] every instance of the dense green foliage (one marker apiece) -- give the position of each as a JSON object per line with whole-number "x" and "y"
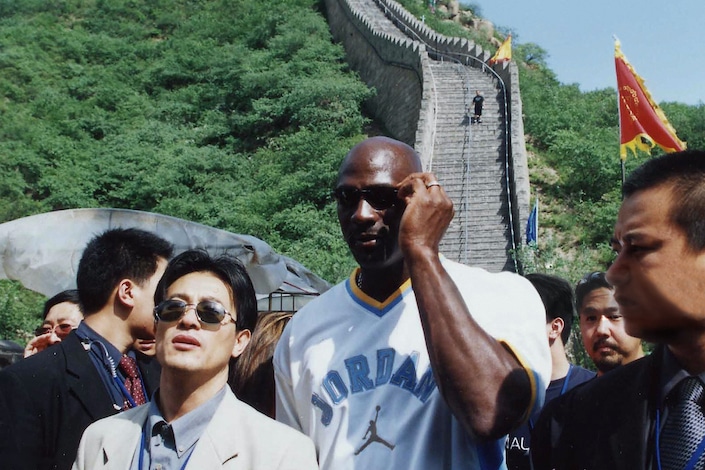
{"x": 229, "y": 113}
{"x": 20, "y": 310}
{"x": 222, "y": 113}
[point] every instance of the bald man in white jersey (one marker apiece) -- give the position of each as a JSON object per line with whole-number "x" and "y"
{"x": 381, "y": 375}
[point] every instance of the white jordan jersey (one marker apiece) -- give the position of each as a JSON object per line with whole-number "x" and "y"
{"x": 354, "y": 374}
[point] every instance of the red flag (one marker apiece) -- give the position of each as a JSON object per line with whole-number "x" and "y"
{"x": 504, "y": 53}
{"x": 642, "y": 124}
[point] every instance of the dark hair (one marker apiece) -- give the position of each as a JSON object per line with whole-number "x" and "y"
{"x": 685, "y": 172}
{"x": 557, "y": 296}
{"x": 227, "y": 268}
{"x": 252, "y": 376}
{"x": 589, "y": 282}
{"x": 70, "y": 295}
{"x": 114, "y": 255}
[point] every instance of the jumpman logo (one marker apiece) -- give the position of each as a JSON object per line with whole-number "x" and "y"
{"x": 372, "y": 432}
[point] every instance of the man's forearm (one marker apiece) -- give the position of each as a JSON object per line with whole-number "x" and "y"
{"x": 483, "y": 383}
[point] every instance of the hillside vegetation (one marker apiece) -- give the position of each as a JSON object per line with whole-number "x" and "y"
{"x": 236, "y": 114}
{"x": 233, "y": 114}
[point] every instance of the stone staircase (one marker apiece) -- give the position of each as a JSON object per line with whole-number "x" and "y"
{"x": 468, "y": 159}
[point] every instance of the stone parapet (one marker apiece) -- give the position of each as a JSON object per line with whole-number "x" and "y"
{"x": 393, "y": 52}
{"x": 391, "y": 64}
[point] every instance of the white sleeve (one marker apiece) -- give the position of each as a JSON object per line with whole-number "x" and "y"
{"x": 508, "y": 307}
{"x": 524, "y": 334}
{"x": 284, "y": 389}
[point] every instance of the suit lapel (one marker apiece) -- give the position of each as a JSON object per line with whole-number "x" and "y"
{"x": 630, "y": 443}
{"x": 120, "y": 447}
{"x": 83, "y": 380}
{"x": 221, "y": 441}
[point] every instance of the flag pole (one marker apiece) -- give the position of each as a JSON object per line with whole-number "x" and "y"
{"x": 619, "y": 115}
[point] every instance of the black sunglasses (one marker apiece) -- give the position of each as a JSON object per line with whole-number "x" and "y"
{"x": 379, "y": 197}
{"x": 207, "y": 311}
{"x": 62, "y": 330}
{"x": 592, "y": 277}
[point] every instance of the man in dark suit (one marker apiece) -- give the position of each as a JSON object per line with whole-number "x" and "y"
{"x": 626, "y": 418}
{"x": 47, "y": 400}
{"x": 557, "y": 296}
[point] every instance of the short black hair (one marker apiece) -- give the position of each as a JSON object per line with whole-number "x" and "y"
{"x": 685, "y": 173}
{"x": 70, "y": 295}
{"x": 589, "y": 282}
{"x": 114, "y": 255}
{"x": 557, "y": 296}
{"x": 227, "y": 268}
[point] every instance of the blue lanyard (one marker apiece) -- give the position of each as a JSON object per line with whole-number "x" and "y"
{"x": 567, "y": 378}
{"x": 142, "y": 447}
{"x": 104, "y": 358}
{"x": 126, "y": 394}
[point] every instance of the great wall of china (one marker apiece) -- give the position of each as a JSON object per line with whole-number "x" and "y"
{"x": 425, "y": 83}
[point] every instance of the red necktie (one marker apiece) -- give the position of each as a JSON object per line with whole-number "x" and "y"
{"x": 133, "y": 383}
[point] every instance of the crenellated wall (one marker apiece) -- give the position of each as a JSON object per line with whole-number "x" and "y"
{"x": 509, "y": 74}
{"x": 464, "y": 50}
{"x": 471, "y": 54}
{"x": 406, "y": 99}
{"x": 392, "y": 65}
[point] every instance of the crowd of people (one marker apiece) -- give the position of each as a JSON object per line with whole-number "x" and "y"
{"x": 413, "y": 362}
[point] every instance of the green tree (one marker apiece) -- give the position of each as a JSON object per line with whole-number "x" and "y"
{"x": 530, "y": 54}
{"x": 20, "y": 311}
{"x": 231, "y": 114}
{"x": 688, "y": 121}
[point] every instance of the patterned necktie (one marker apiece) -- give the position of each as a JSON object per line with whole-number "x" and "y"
{"x": 684, "y": 429}
{"x": 133, "y": 383}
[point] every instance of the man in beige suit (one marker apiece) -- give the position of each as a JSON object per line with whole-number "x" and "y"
{"x": 205, "y": 311}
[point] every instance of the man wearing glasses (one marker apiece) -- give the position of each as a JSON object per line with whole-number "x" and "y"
{"x": 206, "y": 309}
{"x": 62, "y": 315}
{"x": 414, "y": 361}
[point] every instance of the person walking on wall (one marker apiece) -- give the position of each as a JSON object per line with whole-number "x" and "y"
{"x": 477, "y": 102}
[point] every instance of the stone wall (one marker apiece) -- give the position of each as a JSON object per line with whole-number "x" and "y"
{"x": 519, "y": 165}
{"x": 406, "y": 97}
{"x": 393, "y": 66}
{"x": 471, "y": 54}
{"x": 464, "y": 50}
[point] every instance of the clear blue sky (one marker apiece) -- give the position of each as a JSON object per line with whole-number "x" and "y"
{"x": 663, "y": 40}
